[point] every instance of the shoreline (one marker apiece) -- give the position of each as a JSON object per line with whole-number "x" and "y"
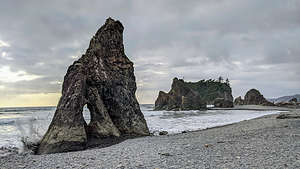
{"x": 255, "y": 108}
{"x": 259, "y": 108}
{"x": 211, "y": 147}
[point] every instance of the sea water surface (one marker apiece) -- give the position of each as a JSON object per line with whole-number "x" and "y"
{"x": 31, "y": 123}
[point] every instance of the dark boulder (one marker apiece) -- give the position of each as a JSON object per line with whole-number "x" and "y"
{"x": 222, "y": 103}
{"x": 163, "y": 133}
{"x": 253, "y": 97}
{"x": 103, "y": 79}
{"x": 289, "y": 116}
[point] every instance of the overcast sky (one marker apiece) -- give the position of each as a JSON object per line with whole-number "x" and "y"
{"x": 255, "y": 43}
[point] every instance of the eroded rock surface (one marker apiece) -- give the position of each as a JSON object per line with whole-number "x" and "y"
{"x": 103, "y": 79}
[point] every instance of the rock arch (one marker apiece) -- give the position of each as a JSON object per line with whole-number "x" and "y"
{"x": 103, "y": 78}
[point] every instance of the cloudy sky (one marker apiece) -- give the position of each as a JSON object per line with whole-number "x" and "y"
{"x": 254, "y": 43}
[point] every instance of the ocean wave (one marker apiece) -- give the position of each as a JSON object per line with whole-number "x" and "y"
{"x": 7, "y": 122}
{"x": 15, "y": 113}
{"x": 25, "y": 109}
{"x": 147, "y": 106}
{"x": 12, "y": 121}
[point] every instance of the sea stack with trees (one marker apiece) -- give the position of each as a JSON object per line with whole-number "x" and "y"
{"x": 195, "y": 95}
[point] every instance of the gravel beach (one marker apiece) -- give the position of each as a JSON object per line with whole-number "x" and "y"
{"x": 264, "y": 142}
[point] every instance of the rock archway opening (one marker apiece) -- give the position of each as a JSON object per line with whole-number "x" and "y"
{"x": 86, "y": 114}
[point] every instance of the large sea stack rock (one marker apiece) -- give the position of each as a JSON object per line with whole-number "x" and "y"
{"x": 254, "y": 97}
{"x": 103, "y": 79}
{"x": 192, "y": 95}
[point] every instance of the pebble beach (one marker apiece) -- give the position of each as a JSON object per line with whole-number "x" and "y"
{"x": 265, "y": 142}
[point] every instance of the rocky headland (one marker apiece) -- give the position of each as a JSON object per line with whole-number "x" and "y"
{"x": 194, "y": 95}
{"x": 103, "y": 79}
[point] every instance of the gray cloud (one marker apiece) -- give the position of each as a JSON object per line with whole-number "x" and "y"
{"x": 254, "y": 43}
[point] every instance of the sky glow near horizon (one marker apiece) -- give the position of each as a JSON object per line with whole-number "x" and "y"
{"x": 254, "y": 43}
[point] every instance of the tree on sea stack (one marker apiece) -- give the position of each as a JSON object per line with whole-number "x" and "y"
{"x": 103, "y": 79}
{"x": 220, "y": 79}
{"x": 227, "y": 82}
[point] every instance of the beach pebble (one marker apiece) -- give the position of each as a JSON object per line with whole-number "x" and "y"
{"x": 191, "y": 150}
{"x": 163, "y": 133}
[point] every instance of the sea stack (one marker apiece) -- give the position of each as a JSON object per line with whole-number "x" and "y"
{"x": 103, "y": 79}
{"x": 254, "y": 97}
{"x": 194, "y": 95}
{"x": 180, "y": 97}
{"x": 238, "y": 101}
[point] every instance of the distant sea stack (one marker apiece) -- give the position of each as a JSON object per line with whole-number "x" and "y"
{"x": 103, "y": 79}
{"x": 253, "y": 97}
{"x": 192, "y": 95}
{"x": 238, "y": 101}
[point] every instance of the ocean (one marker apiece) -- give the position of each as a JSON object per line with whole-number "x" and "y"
{"x": 31, "y": 123}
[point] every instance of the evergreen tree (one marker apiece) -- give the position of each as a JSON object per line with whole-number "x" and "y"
{"x": 220, "y": 79}
{"x": 227, "y": 81}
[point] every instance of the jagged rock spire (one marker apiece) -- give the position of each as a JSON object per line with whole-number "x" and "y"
{"x": 103, "y": 79}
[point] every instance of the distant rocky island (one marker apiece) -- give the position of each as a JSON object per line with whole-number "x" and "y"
{"x": 195, "y": 95}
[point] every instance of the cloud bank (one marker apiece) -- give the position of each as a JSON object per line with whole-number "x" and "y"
{"x": 252, "y": 42}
